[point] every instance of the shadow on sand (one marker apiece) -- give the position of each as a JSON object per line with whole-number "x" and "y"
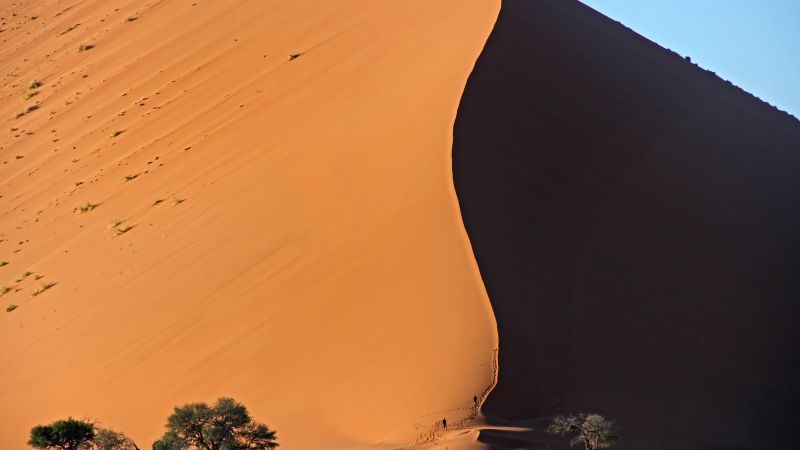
{"x": 636, "y": 221}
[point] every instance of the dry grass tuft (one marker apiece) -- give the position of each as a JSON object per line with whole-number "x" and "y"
{"x": 86, "y": 207}
{"x": 23, "y": 276}
{"x": 43, "y": 287}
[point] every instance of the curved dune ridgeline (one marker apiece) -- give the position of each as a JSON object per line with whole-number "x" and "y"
{"x": 295, "y": 240}
{"x": 636, "y": 221}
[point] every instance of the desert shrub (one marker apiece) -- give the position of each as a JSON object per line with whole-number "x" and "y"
{"x": 24, "y": 275}
{"x": 86, "y": 207}
{"x": 122, "y": 230}
{"x": 43, "y": 287}
{"x": 11, "y": 307}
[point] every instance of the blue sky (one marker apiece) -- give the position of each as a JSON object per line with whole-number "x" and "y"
{"x": 753, "y": 43}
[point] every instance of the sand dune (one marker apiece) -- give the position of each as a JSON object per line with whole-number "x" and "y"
{"x": 296, "y": 241}
{"x": 635, "y": 220}
{"x": 255, "y": 199}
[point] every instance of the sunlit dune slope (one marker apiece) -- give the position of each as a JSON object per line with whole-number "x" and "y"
{"x": 636, "y": 220}
{"x": 294, "y": 242}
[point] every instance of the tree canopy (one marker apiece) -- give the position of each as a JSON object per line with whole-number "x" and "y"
{"x": 108, "y": 439}
{"x": 225, "y": 426}
{"x": 592, "y": 430}
{"x": 67, "y": 434}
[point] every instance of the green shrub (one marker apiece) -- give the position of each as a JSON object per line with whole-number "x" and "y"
{"x": 69, "y": 434}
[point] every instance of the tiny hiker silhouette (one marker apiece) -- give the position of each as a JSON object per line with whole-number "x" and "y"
{"x": 475, "y": 400}
{"x": 444, "y": 423}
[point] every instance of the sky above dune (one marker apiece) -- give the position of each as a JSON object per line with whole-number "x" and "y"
{"x": 753, "y": 43}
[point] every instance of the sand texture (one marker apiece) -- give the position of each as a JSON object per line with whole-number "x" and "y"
{"x": 295, "y": 239}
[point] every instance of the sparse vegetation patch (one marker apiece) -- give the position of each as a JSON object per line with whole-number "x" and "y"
{"x": 43, "y": 287}
{"x": 24, "y": 275}
{"x": 118, "y": 231}
{"x": 86, "y": 207}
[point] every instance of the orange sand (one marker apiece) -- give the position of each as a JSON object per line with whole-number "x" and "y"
{"x": 317, "y": 271}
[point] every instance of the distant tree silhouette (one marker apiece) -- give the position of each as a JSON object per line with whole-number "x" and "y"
{"x": 108, "y": 439}
{"x": 68, "y": 434}
{"x": 592, "y": 430}
{"x": 224, "y": 426}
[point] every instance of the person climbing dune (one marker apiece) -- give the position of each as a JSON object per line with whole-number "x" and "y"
{"x": 444, "y": 423}
{"x": 475, "y": 400}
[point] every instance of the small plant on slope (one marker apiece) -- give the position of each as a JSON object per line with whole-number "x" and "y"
{"x": 43, "y": 287}
{"x": 86, "y": 207}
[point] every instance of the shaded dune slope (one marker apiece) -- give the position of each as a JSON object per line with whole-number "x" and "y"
{"x": 636, "y": 221}
{"x": 307, "y": 256}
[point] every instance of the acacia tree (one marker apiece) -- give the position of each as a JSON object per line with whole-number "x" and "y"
{"x": 225, "y": 426}
{"x": 108, "y": 439}
{"x": 592, "y": 430}
{"x": 67, "y": 434}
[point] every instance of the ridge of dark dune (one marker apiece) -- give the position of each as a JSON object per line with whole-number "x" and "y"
{"x": 636, "y": 222}
{"x": 702, "y": 71}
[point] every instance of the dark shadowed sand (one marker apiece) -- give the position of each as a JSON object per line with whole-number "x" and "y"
{"x": 636, "y": 221}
